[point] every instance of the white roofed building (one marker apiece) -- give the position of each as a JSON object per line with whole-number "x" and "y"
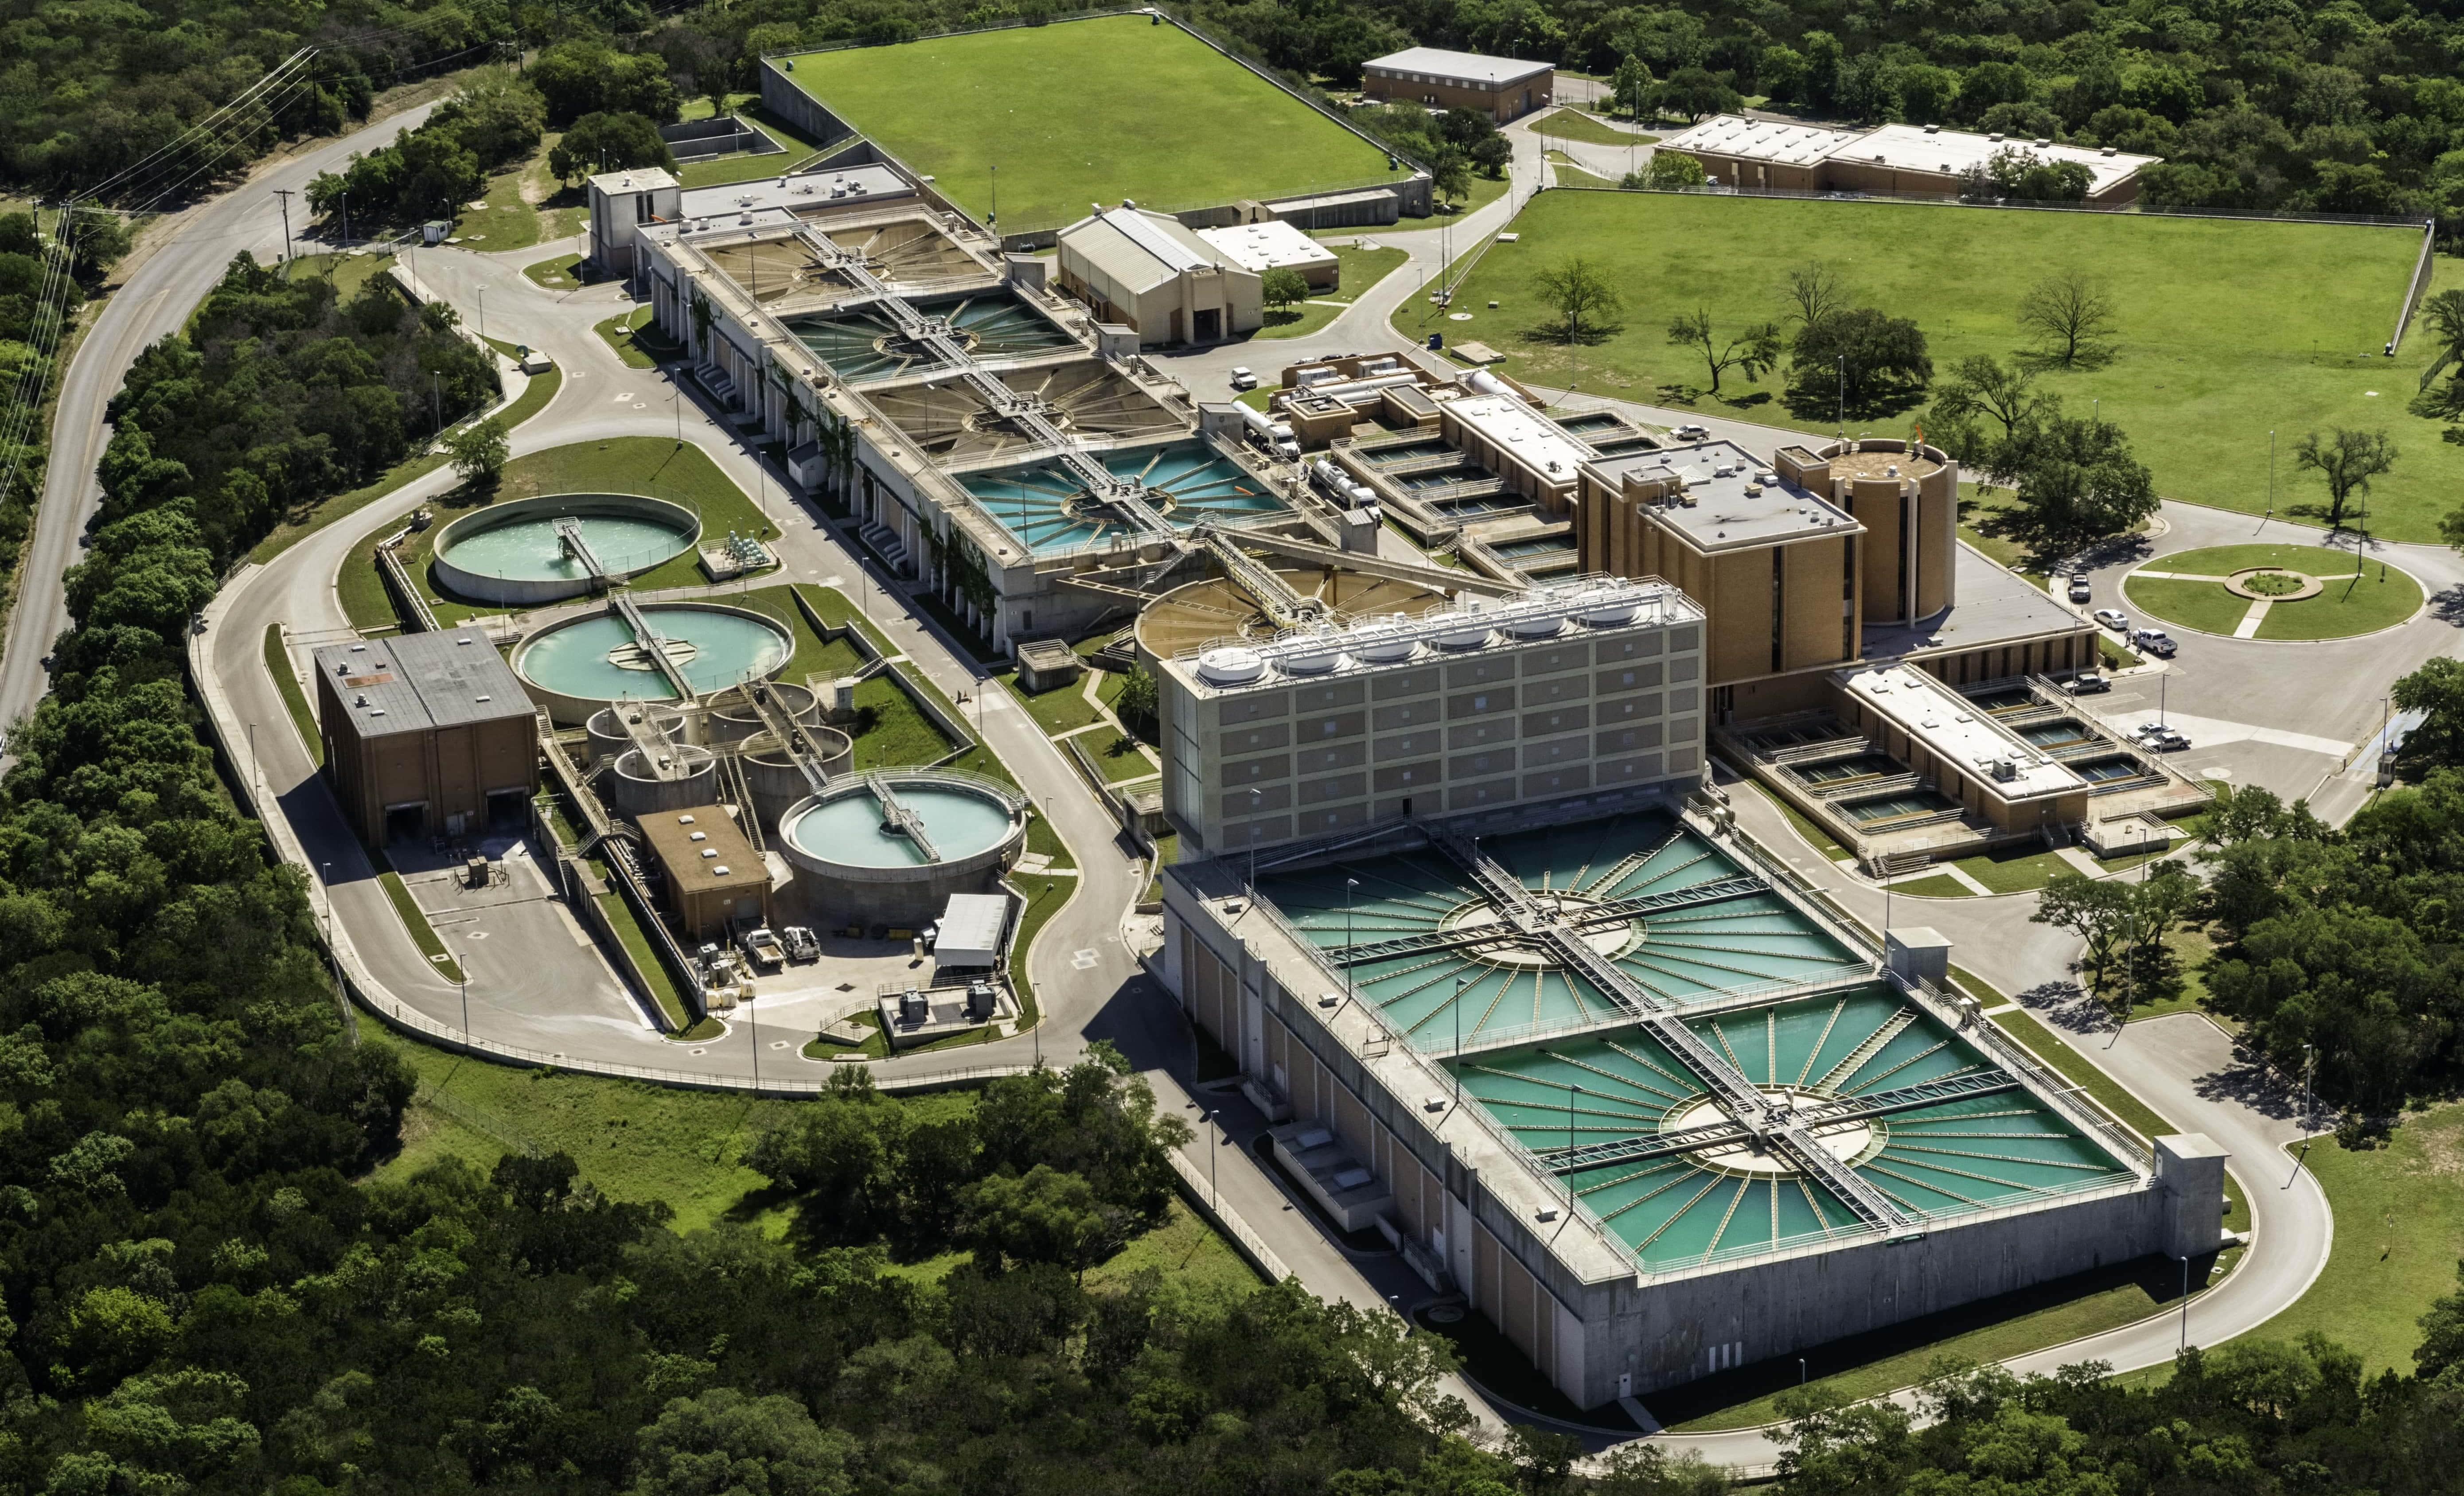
{"x": 1153, "y": 274}
{"x": 1275, "y": 245}
{"x": 1899, "y": 159}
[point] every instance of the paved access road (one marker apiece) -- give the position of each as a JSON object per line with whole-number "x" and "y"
{"x": 185, "y": 255}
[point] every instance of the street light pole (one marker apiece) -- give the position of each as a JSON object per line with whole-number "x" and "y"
{"x": 754, "y": 1019}
{"x": 2186, "y": 1302}
{"x": 466, "y": 1003}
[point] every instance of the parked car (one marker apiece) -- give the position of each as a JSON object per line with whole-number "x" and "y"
{"x": 2165, "y": 740}
{"x": 801, "y": 944}
{"x": 762, "y": 948}
{"x": 1689, "y": 432}
{"x": 2113, "y": 618}
{"x": 2088, "y": 683}
{"x": 2080, "y": 589}
{"x": 1243, "y": 379}
{"x": 2154, "y": 641}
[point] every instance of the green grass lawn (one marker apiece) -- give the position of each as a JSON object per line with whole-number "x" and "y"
{"x": 636, "y": 941}
{"x": 422, "y": 934}
{"x": 1086, "y": 111}
{"x": 1940, "y": 885}
{"x": 1573, "y": 124}
{"x": 2381, "y": 597}
{"x": 2013, "y": 870}
{"x": 1570, "y": 175}
{"x": 617, "y": 332}
{"x": 2225, "y": 328}
{"x": 555, "y": 274}
{"x": 2399, "y": 1232}
{"x": 278, "y": 664}
{"x": 1060, "y": 710}
{"x": 534, "y": 398}
{"x": 1360, "y": 270}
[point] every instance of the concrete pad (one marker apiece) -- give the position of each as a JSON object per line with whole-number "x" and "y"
{"x": 2207, "y": 731}
{"x": 2247, "y": 627}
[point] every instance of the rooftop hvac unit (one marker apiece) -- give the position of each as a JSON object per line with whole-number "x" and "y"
{"x": 2005, "y": 770}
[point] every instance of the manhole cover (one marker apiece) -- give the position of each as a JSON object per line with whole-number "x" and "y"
{"x": 1446, "y": 1315}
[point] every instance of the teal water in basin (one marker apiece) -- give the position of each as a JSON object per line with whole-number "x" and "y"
{"x": 530, "y": 550}
{"x": 573, "y": 659}
{"x": 847, "y": 830}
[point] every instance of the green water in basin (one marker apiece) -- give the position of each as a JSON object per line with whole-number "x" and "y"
{"x": 530, "y": 550}
{"x": 848, "y": 830}
{"x": 573, "y": 659}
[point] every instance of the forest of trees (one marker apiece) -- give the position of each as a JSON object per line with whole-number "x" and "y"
{"x": 279, "y": 394}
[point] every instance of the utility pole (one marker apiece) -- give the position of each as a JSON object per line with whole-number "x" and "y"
{"x": 755, "y": 1019}
{"x": 466, "y": 1003}
{"x": 284, "y": 193}
{"x": 345, "y": 199}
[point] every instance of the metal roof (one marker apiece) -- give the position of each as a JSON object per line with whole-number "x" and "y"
{"x": 1461, "y": 67}
{"x": 450, "y": 678}
{"x": 1138, "y": 249}
{"x": 971, "y": 930}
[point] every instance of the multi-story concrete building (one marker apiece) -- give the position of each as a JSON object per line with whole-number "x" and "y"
{"x": 1897, "y": 160}
{"x": 425, "y": 735}
{"x": 1569, "y": 688}
{"x": 1502, "y": 88}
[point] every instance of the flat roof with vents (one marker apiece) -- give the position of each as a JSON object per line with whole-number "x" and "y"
{"x": 415, "y": 682}
{"x": 1735, "y": 498}
{"x": 701, "y": 848}
{"x": 1898, "y": 147}
{"x": 1471, "y": 69}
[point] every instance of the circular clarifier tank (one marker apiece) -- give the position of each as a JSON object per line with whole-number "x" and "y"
{"x": 578, "y": 666}
{"x": 892, "y": 846}
{"x": 537, "y": 550}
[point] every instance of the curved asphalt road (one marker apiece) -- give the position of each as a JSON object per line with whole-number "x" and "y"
{"x": 186, "y": 255}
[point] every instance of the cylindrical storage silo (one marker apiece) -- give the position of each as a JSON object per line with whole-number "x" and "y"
{"x": 638, "y": 788}
{"x": 772, "y": 778}
{"x": 860, "y": 860}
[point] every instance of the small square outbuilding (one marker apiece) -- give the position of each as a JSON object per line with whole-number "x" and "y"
{"x": 425, "y": 735}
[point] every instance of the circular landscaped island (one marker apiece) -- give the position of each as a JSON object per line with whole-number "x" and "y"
{"x": 2271, "y": 592}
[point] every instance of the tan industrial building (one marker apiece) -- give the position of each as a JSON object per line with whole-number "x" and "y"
{"x": 427, "y": 735}
{"x": 1895, "y": 160}
{"x": 713, "y": 877}
{"x": 1565, "y": 689}
{"x": 1502, "y": 88}
{"x": 1154, "y": 274}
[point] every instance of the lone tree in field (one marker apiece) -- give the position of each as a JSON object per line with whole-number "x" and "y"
{"x": 2076, "y": 481}
{"x": 1753, "y": 352}
{"x": 2071, "y": 312}
{"x": 1863, "y": 358}
{"x": 478, "y": 451}
{"x": 1982, "y": 386}
{"x": 1282, "y": 288}
{"x": 1579, "y": 292}
{"x": 2347, "y": 460}
{"x": 1817, "y": 289}
{"x": 1629, "y": 86}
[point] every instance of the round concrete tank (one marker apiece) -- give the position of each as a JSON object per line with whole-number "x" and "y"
{"x": 1201, "y": 612}
{"x": 579, "y": 664}
{"x": 636, "y": 787}
{"x": 522, "y": 552}
{"x": 772, "y": 778}
{"x": 859, "y": 864}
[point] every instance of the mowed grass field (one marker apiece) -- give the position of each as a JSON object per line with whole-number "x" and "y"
{"x": 2225, "y": 328}
{"x": 1082, "y": 112}
{"x": 2383, "y": 597}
